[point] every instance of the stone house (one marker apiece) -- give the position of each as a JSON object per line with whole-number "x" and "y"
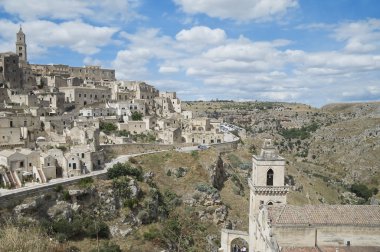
{"x": 82, "y": 96}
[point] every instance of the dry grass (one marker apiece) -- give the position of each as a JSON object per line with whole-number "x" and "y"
{"x": 27, "y": 239}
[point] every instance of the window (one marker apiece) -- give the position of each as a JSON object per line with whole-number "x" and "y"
{"x": 74, "y": 166}
{"x": 11, "y": 124}
{"x": 25, "y": 123}
{"x": 30, "y": 164}
{"x": 22, "y": 164}
{"x": 270, "y": 203}
{"x": 80, "y": 95}
{"x": 82, "y": 155}
{"x": 48, "y": 164}
{"x": 270, "y": 177}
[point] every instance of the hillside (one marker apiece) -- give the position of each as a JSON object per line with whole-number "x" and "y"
{"x": 180, "y": 201}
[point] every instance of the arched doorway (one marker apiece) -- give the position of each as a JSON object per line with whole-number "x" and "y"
{"x": 239, "y": 245}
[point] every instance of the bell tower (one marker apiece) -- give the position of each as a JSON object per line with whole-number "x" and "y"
{"x": 21, "y": 46}
{"x": 267, "y": 185}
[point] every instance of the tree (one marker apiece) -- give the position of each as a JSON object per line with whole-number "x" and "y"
{"x": 136, "y": 116}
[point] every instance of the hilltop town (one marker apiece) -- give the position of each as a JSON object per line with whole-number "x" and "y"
{"x": 57, "y": 121}
{"x": 92, "y": 163}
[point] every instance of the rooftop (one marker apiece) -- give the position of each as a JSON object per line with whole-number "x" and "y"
{"x": 357, "y": 215}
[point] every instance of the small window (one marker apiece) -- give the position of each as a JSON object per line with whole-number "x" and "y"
{"x": 22, "y": 164}
{"x": 82, "y": 155}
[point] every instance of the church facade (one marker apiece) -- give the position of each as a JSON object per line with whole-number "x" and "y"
{"x": 276, "y": 226}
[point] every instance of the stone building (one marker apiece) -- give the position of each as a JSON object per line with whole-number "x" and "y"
{"x": 83, "y": 96}
{"x": 11, "y": 73}
{"x": 276, "y": 226}
{"x": 94, "y": 73}
{"x": 21, "y": 46}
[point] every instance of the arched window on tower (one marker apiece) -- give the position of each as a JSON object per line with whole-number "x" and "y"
{"x": 270, "y": 177}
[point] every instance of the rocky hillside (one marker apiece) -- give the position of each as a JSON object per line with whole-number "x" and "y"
{"x": 328, "y": 150}
{"x": 168, "y": 201}
{"x": 174, "y": 201}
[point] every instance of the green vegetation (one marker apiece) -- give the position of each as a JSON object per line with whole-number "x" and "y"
{"x": 136, "y": 116}
{"x": 363, "y": 191}
{"x": 86, "y": 182}
{"x": 301, "y": 133}
{"x": 144, "y": 138}
{"x": 203, "y": 187}
{"x": 81, "y": 226}
{"x": 108, "y": 247}
{"x": 125, "y": 169}
{"x": 107, "y": 128}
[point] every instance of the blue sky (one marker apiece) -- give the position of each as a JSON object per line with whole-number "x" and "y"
{"x": 315, "y": 52}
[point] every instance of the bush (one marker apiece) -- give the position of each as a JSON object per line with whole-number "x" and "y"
{"x": 66, "y": 195}
{"x": 125, "y": 169}
{"x": 362, "y": 191}
{"x": 203, "y": 187}
{"x": 86, "y": 182}
{"x": 98, "y": 229}
{"x": 136, "y": 116}
{"x": 152, "y": 234}
{"x": 58, "y": 188}
{"x": 107, "y": 127}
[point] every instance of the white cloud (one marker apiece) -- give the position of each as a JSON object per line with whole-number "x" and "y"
{"x": 361, "y": 36}
{"x": 99, "y": 10}
{"x": 201, "y": 35}
{"x": 168, "y": 69}
{"x": 239, "y": 68}
{"x": 243, "y": 10}
{"x": 41, "y": 35}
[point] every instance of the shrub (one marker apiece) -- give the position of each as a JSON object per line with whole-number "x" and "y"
{"x": 98, "y": 229}
{"x": 362, "y": 191}
{"x": 107, "y": 127}
{"x": 125, "y": 169}
{"x": 86, "y": 182}
{"x": 152, "y": 234}
{"x": 169, "y": 173}
{"x": 203, "y": 187}
{"x": 136, "y": 116}
{"x": 66, "y": 195}
{"x": 58, "y": 188}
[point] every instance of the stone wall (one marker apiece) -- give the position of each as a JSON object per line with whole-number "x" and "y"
{"x": 327, "y": 236}
{"x": 134, "y": 148}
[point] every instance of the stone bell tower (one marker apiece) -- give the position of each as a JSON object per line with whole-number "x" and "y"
{"x": 267, "y": 185}
{"x": 21, "y": 46}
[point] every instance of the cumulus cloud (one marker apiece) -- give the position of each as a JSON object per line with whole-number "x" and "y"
{"x": 99, "y": 10}
{"x": 244, "y": 10}
{"x": 241, "y": 68}
{"x": 201, "y": 35}
{"x": 361, "y": 36}
{"x": 41, "y": 35}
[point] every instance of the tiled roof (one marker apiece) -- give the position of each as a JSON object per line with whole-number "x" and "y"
{"x": 368, "y": 215}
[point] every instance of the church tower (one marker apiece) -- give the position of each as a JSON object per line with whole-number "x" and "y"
{"x": 21, "y": 46}
{"x": 267, "y": 186}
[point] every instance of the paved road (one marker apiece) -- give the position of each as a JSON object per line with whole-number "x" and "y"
{"x": 119, "y": 159}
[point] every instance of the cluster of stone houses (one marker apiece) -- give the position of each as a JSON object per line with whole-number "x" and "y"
{"x": 50, "y": 117}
